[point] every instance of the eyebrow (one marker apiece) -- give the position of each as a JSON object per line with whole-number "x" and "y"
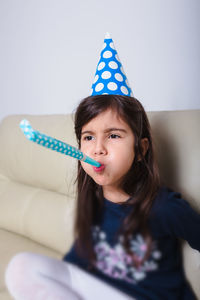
{"x": 106, "y": 131}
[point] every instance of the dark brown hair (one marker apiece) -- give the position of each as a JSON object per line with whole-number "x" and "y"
{"x": 141, "y": 182}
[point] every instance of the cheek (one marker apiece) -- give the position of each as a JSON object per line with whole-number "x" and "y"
{"x": 86, "y": 167}
{"x": 125, "y": 154}
{"x": 85, "y": 148}
{"x": 122, "y": 162}
{"x": 126, "y": 162}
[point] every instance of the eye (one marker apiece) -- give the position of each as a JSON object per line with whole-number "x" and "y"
{"x": 88, "y": 138}
{"x": 114, "y": 136}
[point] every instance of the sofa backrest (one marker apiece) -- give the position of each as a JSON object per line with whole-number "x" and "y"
{"x": 177, "y": 144}
{"x": 30, "y": 164}
{"x": 37, "y": 189}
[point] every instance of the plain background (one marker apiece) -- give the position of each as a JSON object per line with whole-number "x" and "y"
{"x": 49, "y": 50}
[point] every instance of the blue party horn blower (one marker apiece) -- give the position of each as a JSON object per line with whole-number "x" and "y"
{"x": 54, "y": 144}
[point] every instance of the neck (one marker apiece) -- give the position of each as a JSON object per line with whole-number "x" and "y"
{"x": 115, "y": 195}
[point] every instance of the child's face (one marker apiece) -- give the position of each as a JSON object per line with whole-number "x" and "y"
{"x": 110, "y": 141}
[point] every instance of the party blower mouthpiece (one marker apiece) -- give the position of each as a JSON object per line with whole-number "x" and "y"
{"x": 54, "y": 144}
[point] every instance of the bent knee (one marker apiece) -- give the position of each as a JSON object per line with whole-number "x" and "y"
{"x": 18, "y": 268}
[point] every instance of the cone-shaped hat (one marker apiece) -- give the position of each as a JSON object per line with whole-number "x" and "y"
{"x": 110, "y": 77}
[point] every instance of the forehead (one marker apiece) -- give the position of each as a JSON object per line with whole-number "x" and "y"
{"x": 106, "y": 119}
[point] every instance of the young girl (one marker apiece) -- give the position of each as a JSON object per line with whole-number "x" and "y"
{"x": 127, "y": 226}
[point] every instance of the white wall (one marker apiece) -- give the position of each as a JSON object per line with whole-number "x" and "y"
{"x": 49, "y": 50}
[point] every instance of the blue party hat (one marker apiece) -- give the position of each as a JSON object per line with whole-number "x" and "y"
{"x": 110, "y": 77}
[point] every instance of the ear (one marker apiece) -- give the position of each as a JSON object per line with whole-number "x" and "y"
{"x": 144, "y": 145}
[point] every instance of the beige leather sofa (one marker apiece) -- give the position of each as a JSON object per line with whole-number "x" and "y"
{"x": 37, "y": 189}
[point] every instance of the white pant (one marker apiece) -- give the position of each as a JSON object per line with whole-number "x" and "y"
{"x": 36, "y": 277}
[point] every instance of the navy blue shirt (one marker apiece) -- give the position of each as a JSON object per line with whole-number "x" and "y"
{"x": 161, "y": 276}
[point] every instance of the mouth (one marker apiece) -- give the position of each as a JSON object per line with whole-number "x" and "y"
{"x": 99, "y": 169}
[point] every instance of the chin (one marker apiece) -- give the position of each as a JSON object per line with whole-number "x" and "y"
{"x": 100, "y": 181}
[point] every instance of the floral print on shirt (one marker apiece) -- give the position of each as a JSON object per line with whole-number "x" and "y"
{"x": 116, "y": 263}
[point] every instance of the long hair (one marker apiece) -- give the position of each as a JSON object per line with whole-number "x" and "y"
{"x": 141, "y": 182}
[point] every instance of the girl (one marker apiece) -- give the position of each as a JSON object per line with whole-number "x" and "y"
{"x": 127, "y": 226}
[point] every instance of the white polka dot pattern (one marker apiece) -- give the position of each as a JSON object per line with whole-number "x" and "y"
{"x": 110, "y": 77}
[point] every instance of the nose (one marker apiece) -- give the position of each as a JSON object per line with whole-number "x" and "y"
{"x": 99, "y": 148}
